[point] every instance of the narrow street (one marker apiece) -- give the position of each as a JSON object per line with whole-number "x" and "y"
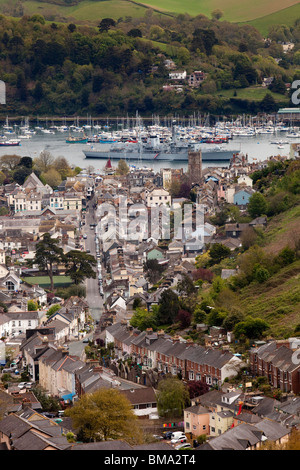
{"x": 93, "y": 296}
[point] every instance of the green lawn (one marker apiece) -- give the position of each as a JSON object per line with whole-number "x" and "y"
{"x": 44, "y": 281}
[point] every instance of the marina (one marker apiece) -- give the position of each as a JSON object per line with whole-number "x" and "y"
{"x": 156, "y": 145}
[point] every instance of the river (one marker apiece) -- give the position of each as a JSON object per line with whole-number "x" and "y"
{"x": 257, "y": 148}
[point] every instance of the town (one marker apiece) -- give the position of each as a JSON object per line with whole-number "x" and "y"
{"x": 99, "y": 294}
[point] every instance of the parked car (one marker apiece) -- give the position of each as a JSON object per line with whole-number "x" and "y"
{"x": 156, "y": 436}
{"x": 168, "y": 434}
{"x": 186, "y": 445}
{"x": 178, "y": 439}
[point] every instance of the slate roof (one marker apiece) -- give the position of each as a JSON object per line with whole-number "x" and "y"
{"x": 104, "y": 445}
{"x": 280, "y": 357}
{"x": 266, "y": 406}
{"x": 272, "y": 430}
{"x": 159, "y": 446}
{"x": 140, "y": 395}
{"x": 197, "y": 410}
{"x": 238, "y": 438}
{"x": 13, "y": 426}
{"x": 166, "y": 346}
{"x": 33, "y": 441}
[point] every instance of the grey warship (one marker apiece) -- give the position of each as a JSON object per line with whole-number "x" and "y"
{"x": 154, "y": 150}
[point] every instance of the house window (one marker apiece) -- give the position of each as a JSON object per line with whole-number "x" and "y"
{"x": 187, "y": 425}
{"x": 10, "y": 286}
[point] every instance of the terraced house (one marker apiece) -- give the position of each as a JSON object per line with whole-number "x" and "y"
{"x": 279, "y": 362}
{"x": 172, "y": 355}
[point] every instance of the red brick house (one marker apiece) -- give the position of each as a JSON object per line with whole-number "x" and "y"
{"x": 279, "y": 362}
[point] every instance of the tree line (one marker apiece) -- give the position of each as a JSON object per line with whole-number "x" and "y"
{"x": 119, "y": 67}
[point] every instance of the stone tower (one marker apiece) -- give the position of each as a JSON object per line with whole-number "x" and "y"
{"x": 195, "y": 167}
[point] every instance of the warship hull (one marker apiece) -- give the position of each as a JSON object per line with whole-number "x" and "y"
{"x": 158, "y": 156}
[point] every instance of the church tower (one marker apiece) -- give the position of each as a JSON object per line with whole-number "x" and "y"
{"x": 195, "y": 167}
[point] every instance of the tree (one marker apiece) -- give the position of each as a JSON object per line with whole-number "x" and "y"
{"x": 278, "y": 86}
{"x": 47, "y": 255}
{"x": 153, "y": 270}
{"x": 62, "y": 166}
{"x": 169, "y": 306}
{"x": 52, "y": 177}
{"x": 53, "y": 309}
{"x": 38, "y": 92}
{"x": 79, "y": 266}
{"x": 217, "y": 14}
{"x": 257, "y": 205}
{"x": 106, "y": 24}
{"x": 21, "y": 173}
{"x": 248, "y": 237}
{"x": 260, "y": 273}
{"x": 44, "y": 162}
{"x": 203, "y": 274}
{"x": 135, "y": 33}
{"x": 251, "y": 328}
{"x": 26, "y": 161}
{"x": 123, "y": 168}
{"x": 32, "y": 306}
{"x": 285, "y": 257}
{"x": 104, "y": 415}
{"x": 268, "y": 104}
{"x": 9, "y": 162}
{"x": 197, "y": 388}
{"x": 72, "y": 27}
{"x": 143, "y": 319}
{"x": 218, "y": 252}
{"x": 172, "y": 397}
{"x": 184, "y": 318}
{"x": 186, "y": 286}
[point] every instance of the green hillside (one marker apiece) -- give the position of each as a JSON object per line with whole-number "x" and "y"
{"x": 277, "y": 301}
{"x": 287, "y": 16}
{"x": 234, "y": 10}
{"x": 261, "y": 15}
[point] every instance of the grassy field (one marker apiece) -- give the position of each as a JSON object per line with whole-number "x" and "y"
{"x": 44, "y": 281}
{"x": 260, "y": 14}
{"x": 286, "y": 16}
{"x": 234, "y": 10}
{"x": 255, "y": 93}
